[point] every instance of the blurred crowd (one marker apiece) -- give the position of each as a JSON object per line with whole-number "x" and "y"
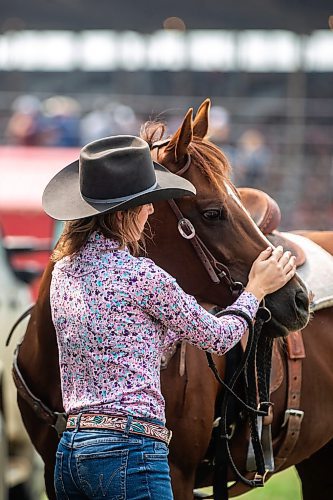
{"x": 59, "y": 121}
{"x": 258, "y": 160}
{"x": 249, "y": 153}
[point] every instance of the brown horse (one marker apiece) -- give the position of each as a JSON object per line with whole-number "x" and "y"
{"x": 231, "y": 236}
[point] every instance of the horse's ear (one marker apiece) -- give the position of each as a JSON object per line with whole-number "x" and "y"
{"x": 181, "y": 139}
{"x": 201, "y": 121}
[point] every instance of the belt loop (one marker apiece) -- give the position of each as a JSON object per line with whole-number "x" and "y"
{"x": 128, "y": 425}
{"x": 78, "y": 421}
{"x": 76, "y": 429}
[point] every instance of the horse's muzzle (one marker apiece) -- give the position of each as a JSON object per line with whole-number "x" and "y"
{"x": 290, "y": 308}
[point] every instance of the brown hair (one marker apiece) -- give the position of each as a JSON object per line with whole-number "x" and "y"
{"x": 125, "y": 230}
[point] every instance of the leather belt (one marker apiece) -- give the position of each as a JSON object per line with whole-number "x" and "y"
{"x": 119, "y": 423}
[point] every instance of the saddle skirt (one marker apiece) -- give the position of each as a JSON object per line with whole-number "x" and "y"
{"x": 316, "y": 271}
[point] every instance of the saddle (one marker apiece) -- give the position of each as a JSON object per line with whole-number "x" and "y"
{"x": 262, "y": 208}
{"x": 314, "y": 264}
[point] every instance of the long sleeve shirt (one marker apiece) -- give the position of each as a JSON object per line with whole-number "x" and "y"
{"x": 114, "y": 316}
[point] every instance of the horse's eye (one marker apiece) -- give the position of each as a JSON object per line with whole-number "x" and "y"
{"x": 212, "y": 214}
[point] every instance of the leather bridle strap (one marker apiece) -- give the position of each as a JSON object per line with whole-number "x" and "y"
{"x": 215, "y": 269}
{"x": 293, "y": 415}
{"x": 21, "y": 318}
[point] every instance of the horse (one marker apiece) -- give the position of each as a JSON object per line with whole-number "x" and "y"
{"x": 231, "y": 242}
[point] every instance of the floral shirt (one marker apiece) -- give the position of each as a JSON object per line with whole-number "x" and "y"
{"x": 114, "y": 316}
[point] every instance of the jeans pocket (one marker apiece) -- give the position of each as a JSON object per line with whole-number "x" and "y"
{"x": 103, "y": 474}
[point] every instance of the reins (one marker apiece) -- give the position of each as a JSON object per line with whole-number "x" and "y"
{"x": 251, "y": 365}
{"x": 55, "y": 419}
{"x": 254, "y": 332}
{"x": 256, "y": 369}
{"x": 17, "y": 322}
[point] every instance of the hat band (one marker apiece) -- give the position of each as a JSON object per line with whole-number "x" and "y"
{"x": 122, "y": 198}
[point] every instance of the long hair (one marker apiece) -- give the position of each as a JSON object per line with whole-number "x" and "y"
{"x": 124, "y": 229}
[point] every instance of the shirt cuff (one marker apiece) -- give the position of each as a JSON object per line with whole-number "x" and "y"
{"x": 246, "y": 302}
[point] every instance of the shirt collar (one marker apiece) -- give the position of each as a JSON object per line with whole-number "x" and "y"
{"x": 98, "y": 242}
{"x": 87, "y": 257}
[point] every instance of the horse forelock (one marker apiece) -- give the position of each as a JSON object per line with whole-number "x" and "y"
{"x": 152, "y": 131}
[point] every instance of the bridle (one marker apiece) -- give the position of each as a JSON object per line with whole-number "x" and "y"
{"x": 217, "y": 271}
{"x": 256, "y": 371}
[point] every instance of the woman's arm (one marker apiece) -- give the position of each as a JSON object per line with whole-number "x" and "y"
{"x": 185, "y": 319}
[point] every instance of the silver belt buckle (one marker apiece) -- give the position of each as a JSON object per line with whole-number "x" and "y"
{"x": 169, "y": 436}
{"x": 291, "y": 412}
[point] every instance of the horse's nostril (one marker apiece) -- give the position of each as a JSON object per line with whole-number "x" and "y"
{"x": 302, "y": 300}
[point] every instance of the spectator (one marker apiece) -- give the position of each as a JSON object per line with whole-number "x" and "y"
{"x": 26, "y": 124}
{"x": 252, "y": 159}
{"x": 63, "y": 121}
{"x": 97, "y": 123}
{"x": 219, "y": 131}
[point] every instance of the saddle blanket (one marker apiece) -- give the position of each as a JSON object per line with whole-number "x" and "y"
{"x": 316, "y": 272}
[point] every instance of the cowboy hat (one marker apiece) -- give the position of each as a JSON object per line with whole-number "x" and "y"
{"x": 113, "y": 173}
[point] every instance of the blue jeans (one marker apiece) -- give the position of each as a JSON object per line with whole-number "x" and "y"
{"x": 113, "y": 465}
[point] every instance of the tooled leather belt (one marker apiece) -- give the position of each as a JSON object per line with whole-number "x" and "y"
{"x": 119, "y": 423}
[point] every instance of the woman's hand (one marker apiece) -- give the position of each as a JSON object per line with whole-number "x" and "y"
{"x": 272, "y": 269}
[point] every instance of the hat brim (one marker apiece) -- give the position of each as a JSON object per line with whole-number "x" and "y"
{"x": 62, "y": 198}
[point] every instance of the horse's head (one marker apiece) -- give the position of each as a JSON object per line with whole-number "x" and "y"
{"x": 220, "y": 221}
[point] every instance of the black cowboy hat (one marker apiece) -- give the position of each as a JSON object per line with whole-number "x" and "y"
{"x": 114, "y": 173}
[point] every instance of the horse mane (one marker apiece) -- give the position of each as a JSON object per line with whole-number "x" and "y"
{"x": 211, "y": 161}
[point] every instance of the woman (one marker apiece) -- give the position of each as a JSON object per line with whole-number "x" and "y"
{"x": 115, "y": 313}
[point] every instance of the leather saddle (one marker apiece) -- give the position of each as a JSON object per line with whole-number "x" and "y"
{"x": 263, "y": 209}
